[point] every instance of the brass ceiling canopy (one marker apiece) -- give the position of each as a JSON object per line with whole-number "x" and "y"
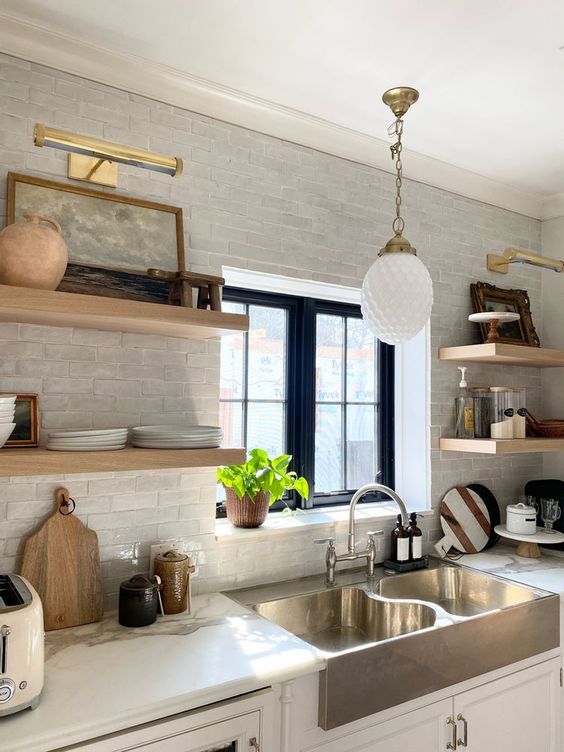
{"x": 399, "y": 99}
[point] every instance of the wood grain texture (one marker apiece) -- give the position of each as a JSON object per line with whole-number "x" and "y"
{"x": 504, "y": 354}
{"x": 18, "y": 462}
{"x": 502, "y": 446}
{"x": 62, "y": 562}
{"x": 52, "y": 308}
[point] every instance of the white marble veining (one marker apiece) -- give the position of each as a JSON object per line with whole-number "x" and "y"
{"x": 102, "y": 677}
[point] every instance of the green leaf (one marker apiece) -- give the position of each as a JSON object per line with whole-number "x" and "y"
{"x": 281, "y": 463}
{"x": 302, "y": 487}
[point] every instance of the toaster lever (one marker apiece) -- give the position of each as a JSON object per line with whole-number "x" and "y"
{"x": 5, "y": 631}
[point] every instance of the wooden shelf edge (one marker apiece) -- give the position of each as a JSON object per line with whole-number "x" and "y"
{"x": 52, "y": 308}
{"x": 502, "y": 446}
{"x": 504, "y": 354}
{"x": 40, "y": 461}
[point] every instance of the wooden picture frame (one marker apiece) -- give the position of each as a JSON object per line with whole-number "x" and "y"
{"x": 26, "y": 418}
{"x": 487, "y": 298}
{"x": 105, "y": 230}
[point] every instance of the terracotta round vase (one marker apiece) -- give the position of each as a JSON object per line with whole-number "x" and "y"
{"x": 244, "y": 512}
{"x": 33, "y": 255}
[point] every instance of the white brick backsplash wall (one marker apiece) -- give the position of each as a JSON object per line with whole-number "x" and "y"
{"x": 249, "y": 201}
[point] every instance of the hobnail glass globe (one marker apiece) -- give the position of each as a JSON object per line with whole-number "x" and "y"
{"x": 396, "y": 297}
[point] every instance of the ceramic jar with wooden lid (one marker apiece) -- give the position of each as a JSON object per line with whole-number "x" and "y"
{"x": 32, "y": 254}
{"x": 174, "y": 569}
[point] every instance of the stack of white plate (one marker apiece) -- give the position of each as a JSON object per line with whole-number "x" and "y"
{"x": 88, "y": 440}
{"x": 176, "y": 437}
{"x": 7, "y": 410}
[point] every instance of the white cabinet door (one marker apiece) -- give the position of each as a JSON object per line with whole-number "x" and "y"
{"x": 519, "y": 713}
{"x": 423, "y": 730}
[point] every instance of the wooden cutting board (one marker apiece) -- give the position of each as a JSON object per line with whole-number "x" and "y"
{"x": 62, "y": 562}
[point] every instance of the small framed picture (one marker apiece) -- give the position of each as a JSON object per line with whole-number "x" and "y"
{"x": 487, "y": 299}
{"x": 26, "y": 418}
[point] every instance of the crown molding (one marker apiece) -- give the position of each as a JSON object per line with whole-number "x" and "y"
{"x": 553, "y": 207}
{"x": 146, "y": 78}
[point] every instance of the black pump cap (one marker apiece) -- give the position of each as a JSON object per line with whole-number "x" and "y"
{"x": 413, "y": 518}
{"x": 399, "y": 520}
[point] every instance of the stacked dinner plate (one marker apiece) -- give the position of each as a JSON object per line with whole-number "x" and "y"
{"x": 176, "y": 437}
{"x": 7, "y": 410}
{"x": 88, "y": 440}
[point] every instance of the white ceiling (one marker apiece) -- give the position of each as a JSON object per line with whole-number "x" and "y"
{"x": 490, "y": 72}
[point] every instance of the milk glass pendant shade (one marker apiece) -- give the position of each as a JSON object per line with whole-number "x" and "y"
{"x": 397, "y": 292}
{"x": 396, "y": 297}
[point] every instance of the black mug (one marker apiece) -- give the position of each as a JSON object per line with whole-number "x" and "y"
{"x": 138, "y": 601}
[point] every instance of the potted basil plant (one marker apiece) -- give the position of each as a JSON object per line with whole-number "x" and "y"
{"x": 252, "y": 487}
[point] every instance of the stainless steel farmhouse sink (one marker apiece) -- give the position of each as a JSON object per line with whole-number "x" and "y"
{"x": 339, "y": 618}
{"x": 396, "y": 637}
{"x": 456, "y": 590}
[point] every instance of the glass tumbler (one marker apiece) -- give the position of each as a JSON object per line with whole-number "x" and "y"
{"x": 550, "y": 512}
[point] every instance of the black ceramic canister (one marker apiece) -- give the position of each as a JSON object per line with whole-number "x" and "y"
{"x": 138, "y": 601}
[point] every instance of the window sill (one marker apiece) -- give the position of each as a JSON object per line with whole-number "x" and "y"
{"x": 302, "y": 521}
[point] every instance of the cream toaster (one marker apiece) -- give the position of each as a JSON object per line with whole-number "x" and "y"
{"x": 21, "y": 645}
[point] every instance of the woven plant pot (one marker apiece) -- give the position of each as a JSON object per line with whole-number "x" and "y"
{"x": 244, "y": 512}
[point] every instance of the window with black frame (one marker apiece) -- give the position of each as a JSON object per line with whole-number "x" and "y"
{"x": 310, "y": 380}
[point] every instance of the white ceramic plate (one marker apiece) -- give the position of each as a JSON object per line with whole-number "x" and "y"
{"x": 65, "y": 444}
{"x": 480, "y": 318}
{"x": 86, "y": 439}
{"x": 183, "y": 430}
{"x": 86, "y": 448}
{"x": 175, "y": 445}
{"x": 8, "y": 418}
{"x": 88, "y": 433}
{"x": 7, "y": 399}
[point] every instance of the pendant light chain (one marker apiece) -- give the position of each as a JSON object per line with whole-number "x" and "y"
{"x": 397, "y": 129}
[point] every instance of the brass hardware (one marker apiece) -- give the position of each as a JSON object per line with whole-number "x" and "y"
{"x": 464, "y": 741}
{"x": 452, "y": 722}
{"x": 254, "y": 744}
{"x": 399, "y": 100}
{"x": 93, "y": 170}
{"x": 104, "y": 150}
{"x": 515, "y": 256}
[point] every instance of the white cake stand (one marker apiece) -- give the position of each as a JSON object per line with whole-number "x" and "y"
{"x": 494, "y": 318}
{"x": 529, "y": 544}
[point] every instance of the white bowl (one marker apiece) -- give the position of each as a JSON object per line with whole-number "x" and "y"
{"x": 5, "y": 432}
{"x": 3, "y": 412}
{"x": 7, "y": 400}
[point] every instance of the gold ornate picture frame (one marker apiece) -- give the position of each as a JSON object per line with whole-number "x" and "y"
{"x": 487, "y": 298}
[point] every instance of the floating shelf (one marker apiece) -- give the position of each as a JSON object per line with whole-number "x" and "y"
{"x": 46, "y": 462}
{"x": 502, "y": 446}
{"x": 28, "y": 306}
{"x": 504, "y": 354}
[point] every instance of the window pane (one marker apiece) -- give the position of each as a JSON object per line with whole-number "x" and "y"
{"x": 329, "y": 358}
{"x": 231, "y": 420}
{"x": 267, "y": 353}
{"x": 232, "y": 359}
{"x": 265, "y": 427}
{"x": 328, "y": 449}
{"x": 361, "y": 449}
{"x": 360, "y": 362}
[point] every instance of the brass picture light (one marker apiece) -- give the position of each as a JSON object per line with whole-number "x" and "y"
{"x": 95, "y": 160}
{"x": 515, "y": 256}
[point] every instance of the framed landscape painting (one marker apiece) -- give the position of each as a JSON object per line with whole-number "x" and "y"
{"x": 489, "y": 299}
{"x": 103, "y": 230}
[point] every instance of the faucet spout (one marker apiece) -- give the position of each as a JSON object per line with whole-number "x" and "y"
{"x": 362, "y": 491}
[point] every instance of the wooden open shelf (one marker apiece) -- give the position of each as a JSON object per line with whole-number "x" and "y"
{"x": 46, "y": 462}
{"x": 502, "y": 446}
{"x": 28, "y": 306}
{"x": 503, "y": 354}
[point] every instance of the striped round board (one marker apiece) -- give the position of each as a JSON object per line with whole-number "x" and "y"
{"x": 465, "y": 520}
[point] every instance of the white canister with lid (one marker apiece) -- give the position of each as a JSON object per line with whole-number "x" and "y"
{"x": 521, "y": 519}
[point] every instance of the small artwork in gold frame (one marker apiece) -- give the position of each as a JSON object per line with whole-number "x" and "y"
{"x": 26, "y": 418}
{"x": 487, "y": 299}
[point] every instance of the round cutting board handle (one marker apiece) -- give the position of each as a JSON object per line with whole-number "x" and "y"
{"x": 64, "y": 501}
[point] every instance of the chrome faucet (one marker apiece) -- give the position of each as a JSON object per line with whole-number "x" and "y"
{"x": 332, "y": 558}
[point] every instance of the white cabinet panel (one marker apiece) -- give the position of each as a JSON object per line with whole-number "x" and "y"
{"x": 423, "y": 730}
{"x": 233, "y": 735}
{"x": 519, "y": 713}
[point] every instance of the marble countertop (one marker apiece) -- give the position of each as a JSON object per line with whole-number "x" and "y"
{"x": 502, "y": 560}
{"x": 133, "y": 676}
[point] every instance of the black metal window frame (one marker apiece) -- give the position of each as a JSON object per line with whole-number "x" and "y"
{"x": 301, "y": 319}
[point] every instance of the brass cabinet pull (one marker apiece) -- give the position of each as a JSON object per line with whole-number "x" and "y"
{"x": 452, "y": 722}
{"x": 464, "y": 741}
{"x": 254, "y": 744}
